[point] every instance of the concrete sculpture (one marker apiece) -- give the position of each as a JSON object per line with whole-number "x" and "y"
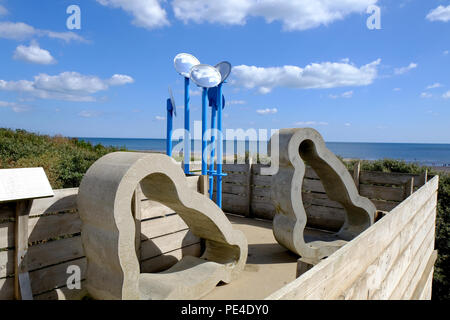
{"x": 108, "y": 231}
{"x": 297, "y": 146}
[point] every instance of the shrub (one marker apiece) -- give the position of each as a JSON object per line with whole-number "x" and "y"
{"x": 64, "y": 160}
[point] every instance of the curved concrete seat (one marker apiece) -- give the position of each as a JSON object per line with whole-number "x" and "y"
{"x": 108, "y": 230}
{"x": 297, "y": 146}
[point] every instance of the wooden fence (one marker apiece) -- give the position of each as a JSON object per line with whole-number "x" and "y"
{"x": 55, "y": 226}
{"x": 55, "y": 242}
{"x": 393, "y": 259}
{"x": 247, "y": 192}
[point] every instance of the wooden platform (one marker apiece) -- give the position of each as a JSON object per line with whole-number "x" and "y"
{"x": 269, "y": 265}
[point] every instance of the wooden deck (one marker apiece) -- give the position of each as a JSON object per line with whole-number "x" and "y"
{"x": 269, "y": 265}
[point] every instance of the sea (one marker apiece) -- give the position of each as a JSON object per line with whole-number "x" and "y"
{"x": 421, "y": 153}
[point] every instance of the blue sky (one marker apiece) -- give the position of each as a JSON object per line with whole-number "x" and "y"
{"x": 296, "y": 64}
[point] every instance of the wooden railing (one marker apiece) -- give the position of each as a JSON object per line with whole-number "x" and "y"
{"x": 393, "y": 259}
{"x": 55, "y": 242}
{"x": 55, "y": 226}
{"x": 247, "y": 192}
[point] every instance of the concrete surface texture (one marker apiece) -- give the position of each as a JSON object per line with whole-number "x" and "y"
{"x": 108, "y": 231}
{"x": 297, "y": 146}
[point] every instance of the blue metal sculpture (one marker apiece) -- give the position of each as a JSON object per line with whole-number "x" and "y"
{"x": 210, "y": 79}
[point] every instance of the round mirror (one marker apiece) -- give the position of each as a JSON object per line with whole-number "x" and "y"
{"x": 205, "y": 76}
{"x": 172, "y": 100}
{"x": 224, "y": 68}
{"x": 184, "y": 62}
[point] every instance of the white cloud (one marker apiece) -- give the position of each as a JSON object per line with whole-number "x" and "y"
{"x": 22, "y": 31}
{"x": 267, "y": 111}
{"x": 446, "y": 95}
{"x": 404, "y": 70}
{"x": 120, "y": 79}
{"x": 294, "y": 15}
{"x": 33, "y": 54}
{"x": 14, "y": 106}
{"x": 346, "y": 95}
{"x": 311, "y": 123}
{"x": 69, "y": 86}
{"x": 435, "y": 85}
{"x": 348, "y": 124}
{"x": 147, "y": 13}
{"x": 426, "y": 95}
{"x": 441, "y": 13}
{"x": 397, "y": 89}
{"x": 3, "y": 11}
{"x": 445, "y": 52}
{"x": 313, "y": 76}
{"x": 66, "y": 36}
{"x": 16, "y": 30}
{"x": 159, "y": 118}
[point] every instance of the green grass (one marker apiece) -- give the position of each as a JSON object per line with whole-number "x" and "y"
{"x": 64, "y": 160}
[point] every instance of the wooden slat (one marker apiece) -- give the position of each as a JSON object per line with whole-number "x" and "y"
{"x": 326, "y": 218}
{"x": 43, "y": 280}
{"x": 319, "y": 199}
{"x": 63, "y": 293}
{"x": 249, "y": 191}
{"x": 241, "y": 168}
{"x": 157, "y": 246}
{"x": 312, "y": 186}
{"x": 263, "y": 209}
{"x": 263, "y": 181}
{"x": 22, "y": 289}
{"x": 64, "y": 200}
{"x": 55, "y": 276}
{"x": 235, "y": 178}
{"x": 168, "y": 259}
{"x": 42, "y": 228}
{"x": 152, "y": 209}
{"x": 159, "y": 227}
{"x": 256, "y": 168}
{"x": 43, "y": 255}
{"x": 261, "y": 192}
{"x": 390, "y": 178}
{"x": 53, "y": 226}
{"x": 234, "y": 203}
{"x": 338, "y": 271}
{"x": 385, "y": 205}
{"x": 234, "y": 189}
{"x": 422, "y": 256}
{"x": 381, "y": 193}
{"x": 424, "y": 280}
{"x": 380, "y": 278}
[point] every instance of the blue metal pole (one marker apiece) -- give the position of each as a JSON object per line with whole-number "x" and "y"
{"x": 169, "y": 128}
{"x": 219, "y": 147}
{"x": 213, "y": 149}
{"x": 187, "y": 140}
{"x": 204, "y": 123}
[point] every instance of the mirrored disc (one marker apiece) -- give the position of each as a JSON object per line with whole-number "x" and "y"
{"x": 172, "y": 100}
{"x": 184, "y": 62}
{"x": 224, "y": 68}
{"x": 205, "y": 76}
